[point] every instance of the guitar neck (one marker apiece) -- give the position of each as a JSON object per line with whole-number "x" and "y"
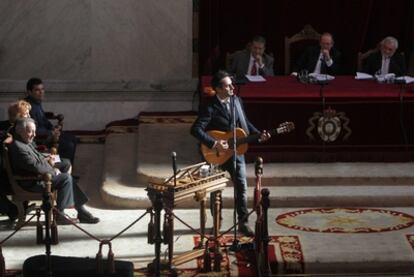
{"x": 256, "y": 137}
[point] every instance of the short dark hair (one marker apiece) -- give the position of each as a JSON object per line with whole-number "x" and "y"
{"x": 259, "y": 39}
{"x": 33, "y": 82}
{"x": 218, "y": 77}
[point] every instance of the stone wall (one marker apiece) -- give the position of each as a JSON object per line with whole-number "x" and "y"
{"x": 91, "y": 53}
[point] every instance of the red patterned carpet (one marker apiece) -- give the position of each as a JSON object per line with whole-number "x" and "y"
{"x": 345, "y": 220}
{"x": 285, "y": 254}
{"x": 410, "y": 239}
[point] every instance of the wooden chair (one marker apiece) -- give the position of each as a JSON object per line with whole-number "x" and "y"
{"x": 362, "y": 57}
{"x": 229, "y": 56}
{"x": 410, "y": 69}
{"x": 53, "y": 142}
{"x": 18, "y": 194}
{"x": 229, "y": 59}
{"x": 305, "y": 37}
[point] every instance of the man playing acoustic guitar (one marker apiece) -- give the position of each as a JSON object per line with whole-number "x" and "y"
{"x": 217, "y": 115}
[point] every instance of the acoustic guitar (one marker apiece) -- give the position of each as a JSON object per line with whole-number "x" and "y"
{"x": 214, "y": 156}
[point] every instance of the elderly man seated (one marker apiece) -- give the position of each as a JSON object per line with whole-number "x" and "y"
{"x": 16, "y": 110}
{"x": 386, "y": 60}
{"x": 27, "y": 161}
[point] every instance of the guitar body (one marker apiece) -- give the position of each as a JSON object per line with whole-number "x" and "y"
{"x": 213, "y": 156}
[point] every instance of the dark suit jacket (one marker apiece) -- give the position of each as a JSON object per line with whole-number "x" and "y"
{"x": 241, "y": 60}
{"x": 4, "y": 129}
{"x": 214, "y": 116}
{"x": 309, "y": 58}
{"x": 27, "y": 161}
{"x": 373, "y": 64}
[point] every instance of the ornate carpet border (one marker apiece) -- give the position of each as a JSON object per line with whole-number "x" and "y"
{"x": 130, "y": 125}
{"x": 285, "y": 255}
{"x": 166, "y": 117}
{"x": 410, "y": 238}
{"x": 345, "y": 220}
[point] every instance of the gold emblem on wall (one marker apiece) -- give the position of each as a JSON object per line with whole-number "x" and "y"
{"x": 330, "y": 125}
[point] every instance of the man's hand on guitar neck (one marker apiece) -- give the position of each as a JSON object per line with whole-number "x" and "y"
{"x": 221, "y": 145}
{"x": 264, "y": 136}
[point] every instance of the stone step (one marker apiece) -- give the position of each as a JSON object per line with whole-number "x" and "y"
{"x": 343, "y": 174}
{"x": 284, "y": 196}
{"x": 333, "y": 196}
{"x": 290, "y": 184}
{"x": 118, "y": 172}
{"x": 302, "y": 174}
{"x": 155, "y": 143}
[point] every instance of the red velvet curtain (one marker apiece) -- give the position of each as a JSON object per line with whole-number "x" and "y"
{"x": 357, "y": 25}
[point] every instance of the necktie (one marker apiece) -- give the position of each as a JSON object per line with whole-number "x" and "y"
{"x": 227, "y": 106}
{"x": 253, "y": 71}
{"x": 385, "y": 65}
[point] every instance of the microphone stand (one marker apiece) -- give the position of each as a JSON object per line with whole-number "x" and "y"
{"x": 174, "y": 165}
{"x": 322, "y": 83}
{"x": 401, "y": 96}
{"x": 235, "y": 245}
{"x": 321, "y": 93}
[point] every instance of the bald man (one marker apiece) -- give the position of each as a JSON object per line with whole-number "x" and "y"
{"x": 321, "y": 59}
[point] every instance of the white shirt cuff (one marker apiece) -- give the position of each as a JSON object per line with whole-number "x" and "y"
{"x": 329, "y": 62}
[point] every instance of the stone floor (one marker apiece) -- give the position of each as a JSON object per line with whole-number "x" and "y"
{"x": 325, "y": 254}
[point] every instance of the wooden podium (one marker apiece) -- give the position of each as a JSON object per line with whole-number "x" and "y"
{"x": 188, "y": 182}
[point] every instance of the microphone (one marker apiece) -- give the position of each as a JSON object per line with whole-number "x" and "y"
{"x": 174, "y": 164}
{"x": 400, "y": 81}
{"x": 174, "y": 161}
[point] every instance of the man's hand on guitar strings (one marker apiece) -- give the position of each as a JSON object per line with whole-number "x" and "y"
{"x": 264, "y": 136}
{"x": 221, "y": 145}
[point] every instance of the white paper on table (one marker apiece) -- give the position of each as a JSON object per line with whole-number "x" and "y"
{"x": 322, "y": 77}
{"x": 407, "y": 79}
{"x": 363, "y": 76}
{"x": 255, "y": 78}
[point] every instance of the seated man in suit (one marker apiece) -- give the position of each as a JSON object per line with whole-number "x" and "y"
{"x": 321, "y": 59}
{"x": 27, "y": 161}
{"x": 35, "y": 95}
{"x": 252, "y": 61}
{"x": 19, "y": 109}
{"x": 386, "y": 60}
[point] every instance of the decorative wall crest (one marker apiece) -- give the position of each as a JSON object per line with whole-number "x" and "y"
{"x": 330, "y": 125}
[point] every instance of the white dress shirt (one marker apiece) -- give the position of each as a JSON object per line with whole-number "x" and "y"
{"x": 319, "y": 63}
{"x": 385, "y": 65}
{"x": 251, "y": 62}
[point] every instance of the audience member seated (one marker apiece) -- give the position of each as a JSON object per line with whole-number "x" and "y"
{"x": 67, "y": 142}
{"x": 19, "y": 109}
{"x": 253, "y": 61}
{"x": 322, "y": 59}
{"x": 27, "y": 161}
{"x": 386, "y": 60}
